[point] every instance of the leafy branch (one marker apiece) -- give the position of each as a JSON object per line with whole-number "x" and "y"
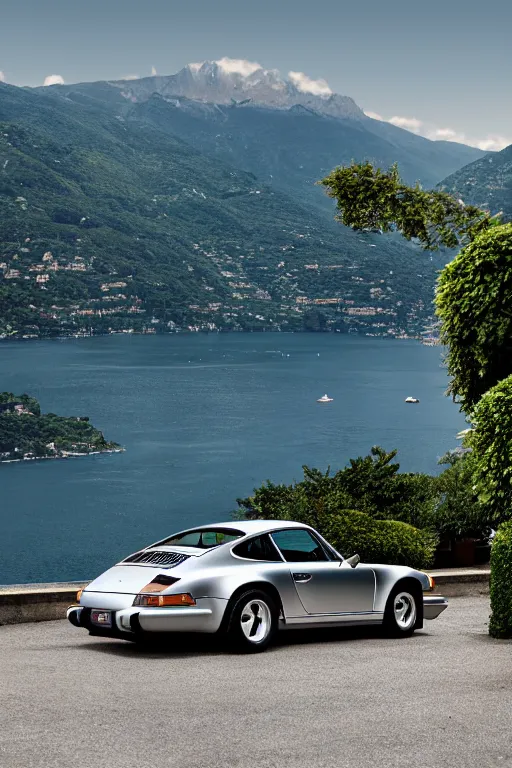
{"x": 372, "y": 199}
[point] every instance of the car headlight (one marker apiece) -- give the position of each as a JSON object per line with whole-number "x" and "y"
{"x": 158, "y": 601}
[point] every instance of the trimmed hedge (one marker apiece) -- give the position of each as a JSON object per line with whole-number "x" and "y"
{"x": 500, "y": 624}
{"x": 491, "y": 443}
{"x": 379, "y": 541}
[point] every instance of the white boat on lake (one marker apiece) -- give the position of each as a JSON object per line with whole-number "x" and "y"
{"x": 411, "y": 400}
{"x": 325, "y": 399}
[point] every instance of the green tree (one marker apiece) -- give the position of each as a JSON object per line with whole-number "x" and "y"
{"x": 474, "y": 293}
{"x": 319, "y": 502}
{"x": 375, "y": 485}
{"x": 491, "y": 443}
{"x": 371, "y": 484}
{"x": 474, "y": 302}
{"x": 369, "y": 198}
{"x": 459, "y": 513}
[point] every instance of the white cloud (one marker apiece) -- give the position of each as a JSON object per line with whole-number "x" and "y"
{"x": 446, "y": 134}
{"x": 129, "y": 77}
{"x": 306, "y": 84}
{"x": 238, "y": 66}
{"x": 373, "y": 115}
{"x": 489, "y": 143}
{"x": 409, "y": 123}
{"x": 247, "y": 68}
{"x": 2, "y": 77}
{"x": 494, "y": 143}
{"x": 153, "y": 71}
{"x": 54, "y": 80}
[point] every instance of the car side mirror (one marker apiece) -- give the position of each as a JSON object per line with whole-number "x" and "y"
{"x": 353, "y": 561}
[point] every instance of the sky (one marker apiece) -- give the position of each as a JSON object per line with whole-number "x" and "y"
{"x": 441, "y": 68}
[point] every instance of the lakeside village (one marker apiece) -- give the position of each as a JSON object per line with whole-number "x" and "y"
{"x": 28, "y": 435}
{"x": 66, "y": 296}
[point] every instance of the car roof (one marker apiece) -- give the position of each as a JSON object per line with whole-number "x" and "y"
{"x": 251, "y": 526}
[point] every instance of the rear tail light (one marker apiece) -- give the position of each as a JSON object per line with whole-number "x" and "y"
{"x": 79, "y": 594}
{"x": 158, "y": 601}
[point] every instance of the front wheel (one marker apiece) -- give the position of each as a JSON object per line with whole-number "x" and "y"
{"x": 401, "y": 612}
{"x": 253, "y": 622}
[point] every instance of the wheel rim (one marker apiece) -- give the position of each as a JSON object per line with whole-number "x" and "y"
{"x": 405, "y": 610}
{"x": 256, "y": 621}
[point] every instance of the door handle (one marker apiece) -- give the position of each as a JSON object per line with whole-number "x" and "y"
{"x": 302, "y": 577}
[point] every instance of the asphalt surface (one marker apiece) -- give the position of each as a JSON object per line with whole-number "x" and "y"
{"x": 335, "y": 699}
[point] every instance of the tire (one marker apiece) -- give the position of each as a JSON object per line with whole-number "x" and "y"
{"x": 253, "y": 622}
{"x": 402, "y": 610}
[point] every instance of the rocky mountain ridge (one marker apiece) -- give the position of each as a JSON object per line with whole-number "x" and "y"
{"x": 214, "y": 82}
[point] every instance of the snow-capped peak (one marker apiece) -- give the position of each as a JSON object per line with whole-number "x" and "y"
{"x": 242, "y": 82}
{"x": 256, "y": 75}
{"x": 238, "y": 66}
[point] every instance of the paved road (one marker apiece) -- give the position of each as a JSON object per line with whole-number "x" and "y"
{"x": 442, "y": 698}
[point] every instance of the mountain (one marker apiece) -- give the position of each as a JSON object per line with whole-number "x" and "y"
{"x": 217, "y": 83}
{"x": 110, "y": 223}
{"x": 292, "y": 149}
{"x": 267, "y": 125}
{"x": 486, "y": 183}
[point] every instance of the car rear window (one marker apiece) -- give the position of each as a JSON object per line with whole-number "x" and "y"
{"x": 202, "y": 538}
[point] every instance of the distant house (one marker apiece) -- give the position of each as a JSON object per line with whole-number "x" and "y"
{"x": 10, "y": 407}
{"x": 14, "y": 407}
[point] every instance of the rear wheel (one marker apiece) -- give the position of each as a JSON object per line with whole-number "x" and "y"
{"x": 253, "y": 622}
{"x": 401, "y": 612}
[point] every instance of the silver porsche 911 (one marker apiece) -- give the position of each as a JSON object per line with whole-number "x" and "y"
{"x": 247, "y": 580}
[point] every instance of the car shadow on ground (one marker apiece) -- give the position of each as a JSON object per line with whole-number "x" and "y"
{"x": 183, "y": 646}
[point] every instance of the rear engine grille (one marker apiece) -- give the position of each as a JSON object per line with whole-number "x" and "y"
{"x": 163, "y": 559}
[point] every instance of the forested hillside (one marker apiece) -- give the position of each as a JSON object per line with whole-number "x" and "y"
{"x": 486, "y": 183}
{"x": 114, "y": 224}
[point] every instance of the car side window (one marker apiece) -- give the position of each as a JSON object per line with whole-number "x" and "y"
{"x": 257, "y": 548}
{"x": 299, "y": 546}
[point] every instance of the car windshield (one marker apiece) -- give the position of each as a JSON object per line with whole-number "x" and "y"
{"x": 202, "y": 538}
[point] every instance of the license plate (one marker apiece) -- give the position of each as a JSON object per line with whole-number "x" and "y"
{"x": 102, "y": 618}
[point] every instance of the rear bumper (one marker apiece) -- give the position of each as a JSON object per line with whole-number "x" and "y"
{"x": 433, "y": 605}
{"x": 205, "y": 617}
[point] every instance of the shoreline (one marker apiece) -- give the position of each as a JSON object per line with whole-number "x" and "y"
{"x": 401, "y": 337}
{"x": 70, "y": 455}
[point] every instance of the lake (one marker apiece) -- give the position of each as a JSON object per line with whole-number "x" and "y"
{"x": 204, "y": 419}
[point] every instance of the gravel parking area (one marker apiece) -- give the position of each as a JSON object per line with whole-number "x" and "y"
{"x": 337, "y": 699}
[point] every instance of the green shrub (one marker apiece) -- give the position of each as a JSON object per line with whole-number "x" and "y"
{"x": 459, "y": 514}
{"x": 500, "y": 624}
{"x": 326, "y": 503}
{"x": 351, "y": 532}
{"x": 491, "y": 442}
{"x": 379, "y": 541}
{"x": 370, "y": 484}
{"x": 473, "y": 298}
